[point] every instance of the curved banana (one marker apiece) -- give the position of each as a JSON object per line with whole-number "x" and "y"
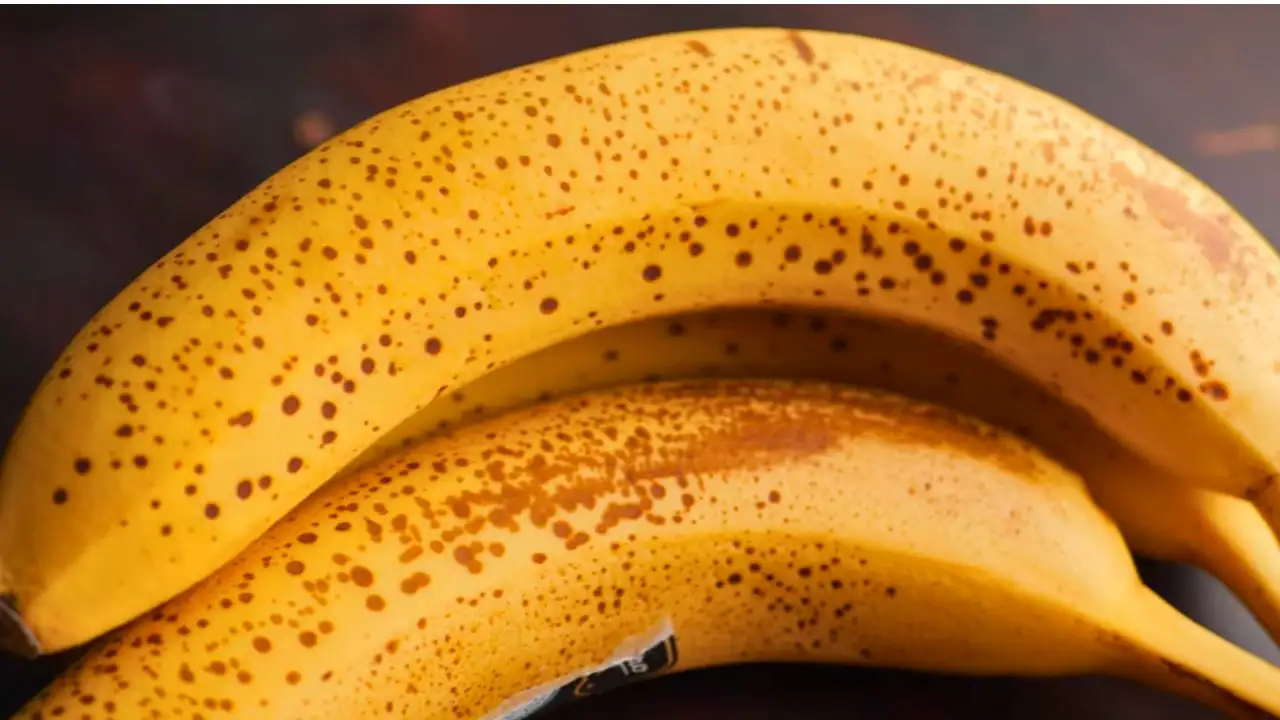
{"x": 557, "y": 550}
{"x": 1222, "y": 534}
{"x": 465, "y": 229}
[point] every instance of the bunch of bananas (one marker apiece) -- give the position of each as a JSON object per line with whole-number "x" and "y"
{"x": 705, "y": 348}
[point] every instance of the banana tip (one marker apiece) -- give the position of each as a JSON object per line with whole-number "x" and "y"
{"x": 15, "y": 636}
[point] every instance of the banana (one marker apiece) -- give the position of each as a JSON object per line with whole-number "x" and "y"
{"x": 1222, "y": 534}
{"x": 453, "y": 234}
{"x": 646, "y": 529}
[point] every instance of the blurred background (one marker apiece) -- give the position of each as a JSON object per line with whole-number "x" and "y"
{"x": 124, "y": 130}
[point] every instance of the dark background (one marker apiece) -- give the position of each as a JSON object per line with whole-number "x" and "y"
{"x": 123, "y": 130}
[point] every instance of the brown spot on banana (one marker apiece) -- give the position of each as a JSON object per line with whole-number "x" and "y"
{"x": 700, "y": 48}
{"x": 803, "y": 49}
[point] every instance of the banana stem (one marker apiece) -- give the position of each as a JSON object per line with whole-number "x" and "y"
{"x": 1224, "y": 535}
{"x": 1239, "y": 547}
{"x": 1164, "y": 648}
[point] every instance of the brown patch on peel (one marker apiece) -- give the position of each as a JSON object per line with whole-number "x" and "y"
{"x": 676, "y": 434}
{"x": 1258, "y": 492}
{"x": 927, "y": 80}
{"x": 800, "y": 419}
{"x": 1215, "y": 236}
{"x": 700, "y": 48}
{"x": 803, "y": 49}
{"x": 560, "y": 212}
{"x": 754, "y": 439}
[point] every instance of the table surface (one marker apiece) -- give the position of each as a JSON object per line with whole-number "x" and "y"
{"x": 124, "y": 130}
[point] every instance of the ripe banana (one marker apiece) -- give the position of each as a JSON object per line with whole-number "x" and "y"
{"x": 1222, "y": 534}
{"x": 460, "y": 231}
{"x": 556, "y": 550}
